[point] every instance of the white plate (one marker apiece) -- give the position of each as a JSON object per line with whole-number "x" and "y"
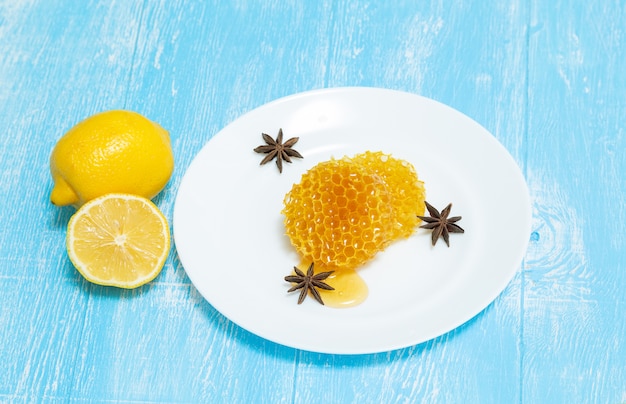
{"x": 230, "y": 238}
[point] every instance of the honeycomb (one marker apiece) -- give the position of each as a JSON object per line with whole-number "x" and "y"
{"x": 406, "y": 189}
{"x": 343, "y": 212}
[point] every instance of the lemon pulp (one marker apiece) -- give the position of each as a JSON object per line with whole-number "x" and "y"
{"x": 118, "y": 240}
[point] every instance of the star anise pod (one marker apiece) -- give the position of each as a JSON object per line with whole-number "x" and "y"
{"x": 309, "y": 282}
{"x": 277, "y": 149}
{"x": 440, "y": 223}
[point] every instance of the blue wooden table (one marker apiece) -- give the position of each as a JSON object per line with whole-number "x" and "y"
{"x": 547, "y": 78}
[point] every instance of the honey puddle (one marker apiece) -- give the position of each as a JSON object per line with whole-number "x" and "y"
{"x": 350, "y": 289}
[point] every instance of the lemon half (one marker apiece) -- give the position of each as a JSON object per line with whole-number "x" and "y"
{"x": 118, "y": 240}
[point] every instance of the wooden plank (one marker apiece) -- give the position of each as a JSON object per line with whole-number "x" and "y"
{"x": 52, "y": 75}
{"x": 573, "y": 296}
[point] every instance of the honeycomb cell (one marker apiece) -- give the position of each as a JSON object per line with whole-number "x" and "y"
{"x": 343, "y": 212}
{"x": 407, "y": 190}
{"x": 349, "y": 251}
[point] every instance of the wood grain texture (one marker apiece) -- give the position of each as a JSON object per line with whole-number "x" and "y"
{"x": 544, "y": 77}
{"x": 574, "y": 296}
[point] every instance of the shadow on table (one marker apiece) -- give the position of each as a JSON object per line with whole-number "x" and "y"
{"x": 284, "y": 353}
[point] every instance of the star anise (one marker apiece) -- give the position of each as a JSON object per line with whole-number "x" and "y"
{"x": 309, "y": 282}
{"x": 277, "y": 149}
{"x": 441, "y": 224}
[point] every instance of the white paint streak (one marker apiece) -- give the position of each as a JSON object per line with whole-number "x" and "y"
{"x": 611, "y": 165}
{"x": 417, "y": 48}
{"x": 174, "y": 88}
{"x": 570, "y": 60}
{"x": 157, "y": 56}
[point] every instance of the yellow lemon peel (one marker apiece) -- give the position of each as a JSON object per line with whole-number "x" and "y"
{"x": 113, "y": 151}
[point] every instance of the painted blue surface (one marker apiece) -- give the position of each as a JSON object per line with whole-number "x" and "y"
{"x": 546, "y": 78}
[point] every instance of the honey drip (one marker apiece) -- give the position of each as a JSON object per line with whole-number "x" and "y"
{"x": 350, "y": 289}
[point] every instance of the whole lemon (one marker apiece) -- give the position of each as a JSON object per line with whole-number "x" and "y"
{"x": 110, "y": 152}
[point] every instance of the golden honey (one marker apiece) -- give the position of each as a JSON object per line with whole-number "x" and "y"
{"x": 349, "y": 288}
{"x": 343, "y": 212}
